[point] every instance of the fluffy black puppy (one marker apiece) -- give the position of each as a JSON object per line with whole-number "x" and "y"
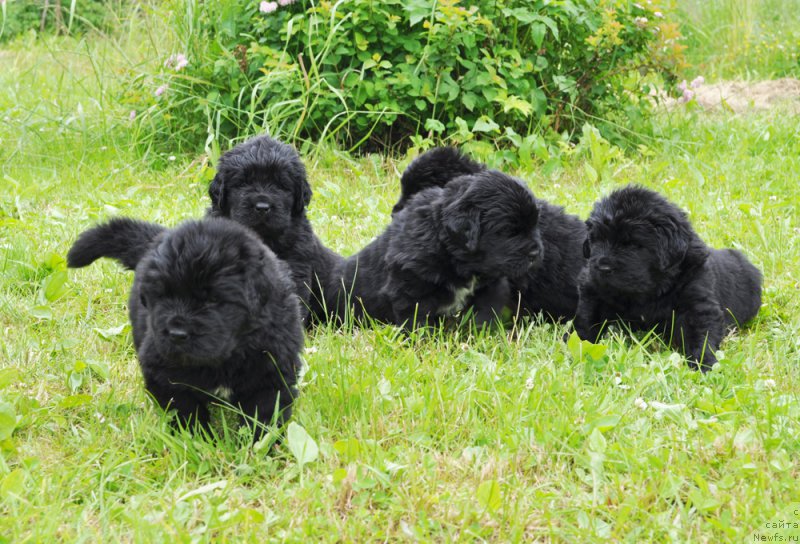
{"x": 550, "y": 289}
{"x": 648, "y": 269}
{"x": 214, "y": 315}
{"x": 447, "y": 250}
{"x": 262, "y": 184}
{"x": 434, "y": 168}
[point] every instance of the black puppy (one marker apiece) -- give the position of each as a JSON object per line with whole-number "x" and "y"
{"x": 550, "y": 289}
{"x": 262, "y": 184}
{"x": 214, "y": 315}
{"x": 648, "y": 269}
{"x": 447, "y": 250}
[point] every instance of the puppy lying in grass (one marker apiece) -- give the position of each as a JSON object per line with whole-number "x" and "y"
{"x": 550, "y": 288}
{"x": 448, "y": 250}
{"x": 648, "y": 268}
{"x": 214, "y": 315}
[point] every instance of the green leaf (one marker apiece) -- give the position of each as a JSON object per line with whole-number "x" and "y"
{"x": 597, "y": 442}
{"x": 485, "y": 124}
{"x": 41, "y": 312}
{"x": 75, "y": 381}
{"x": 100, "y": 368}
{"x": 516, "y": 103}
{"x": 8, "y": 376}
{"x": 417, "y": 10}
{"x": 302, "y": 446}
{"x": 538, "y": 31}
{"x": 111, "y": 332}
{"x": 435, "y": 125}
{"x": 8, "y": 420}
{"x": 583, "y": 349}
{"x": 469, "y": 100}
{"x": 591, "y": 173}
{"x": 488, "y": 495}
{"x": 349, "y": 449}
{"x": 606, "y": 423}
{"x": 54, "y": 285}
{"x": 73, "y": 401}
{"x": 13, "y": 484}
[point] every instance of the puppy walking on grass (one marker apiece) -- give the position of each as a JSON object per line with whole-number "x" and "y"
{"x": 214, "y": 315}
{"x": 648, "y": 269}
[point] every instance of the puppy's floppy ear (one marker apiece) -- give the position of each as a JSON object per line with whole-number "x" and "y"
{"x": 259, "y": 281}
{"x": 587, "y": 247}
{"x": 673, "y": 244}
{"x": 217, "y": 192}
{"x": 462, "y": 223}
{"x": 302, "y": 191}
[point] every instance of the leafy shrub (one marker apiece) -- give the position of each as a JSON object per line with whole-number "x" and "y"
{"x": 20, "y": 16}
{"x": 372, "y": 74}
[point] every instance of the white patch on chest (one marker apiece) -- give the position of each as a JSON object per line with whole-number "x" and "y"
{"x": 460, "y": 297}
{"x": 223, "y": 393}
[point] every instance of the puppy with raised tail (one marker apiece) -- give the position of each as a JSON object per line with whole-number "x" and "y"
{"x": 648, "y": 269}
{"x": 214, "y": 315}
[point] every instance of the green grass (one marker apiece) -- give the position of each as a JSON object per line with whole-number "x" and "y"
{"x": 742, "y": 39}
{"x": 502, "y": 437}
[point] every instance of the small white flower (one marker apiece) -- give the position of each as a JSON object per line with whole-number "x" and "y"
{"x": 311, "y": 349}
{"x": 177, "y": 62}
{"x": 640, "y": 403}
{"x": 267, "y": 7}
{"x": 171, "y": 157}
{"x": 641, "y": 22}
{"x": 769, "y": 384}
{"x": 658, "y": 14}
{"x": 698, "y": 81}
{"x": 529, "y": 384}
{"x": 161, "y": 90}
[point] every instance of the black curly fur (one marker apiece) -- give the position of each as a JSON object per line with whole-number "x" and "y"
{"x": 550, "y": 289}
{"x": 262, "y": 184}
{"x": 214, "y": 314}
{"x": 648, "y": 269}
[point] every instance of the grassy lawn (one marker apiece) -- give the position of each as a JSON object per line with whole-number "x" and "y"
{"x": 503, "y": 437}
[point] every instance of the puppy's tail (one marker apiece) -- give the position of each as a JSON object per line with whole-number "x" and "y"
{"x": 123, "y": 239}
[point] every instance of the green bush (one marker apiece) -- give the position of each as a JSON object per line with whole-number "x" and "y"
{"x": 55, "y": 16}
{"x": 369, "y": 74}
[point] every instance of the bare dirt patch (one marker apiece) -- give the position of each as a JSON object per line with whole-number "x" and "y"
{"x": 740, "y": 96}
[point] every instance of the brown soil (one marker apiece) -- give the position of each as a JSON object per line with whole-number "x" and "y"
{"x": 740, "y": 97}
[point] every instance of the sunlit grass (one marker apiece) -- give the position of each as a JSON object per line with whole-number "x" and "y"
{"x": 502, "y": 437}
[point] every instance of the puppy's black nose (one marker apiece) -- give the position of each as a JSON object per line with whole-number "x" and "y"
{"x": 263, "y": 207}
{"x": 177, "y": 334}
{"x": 605, "y": 268}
